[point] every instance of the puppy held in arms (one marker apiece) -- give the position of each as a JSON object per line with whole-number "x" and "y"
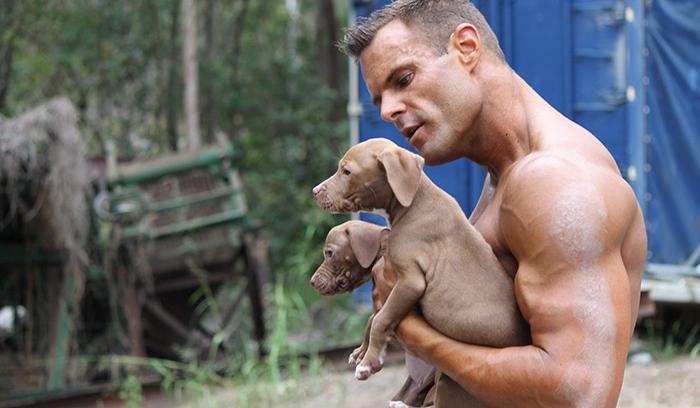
{"x": 352, "y": 255}
{"x": 441, "y": 262}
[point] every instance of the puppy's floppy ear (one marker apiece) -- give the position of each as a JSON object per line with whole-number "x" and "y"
{"x": 364, "y": 240}
{"x": 403, "y": 171}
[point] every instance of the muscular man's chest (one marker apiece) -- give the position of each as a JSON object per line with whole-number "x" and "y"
{"x": 487, "y": 222}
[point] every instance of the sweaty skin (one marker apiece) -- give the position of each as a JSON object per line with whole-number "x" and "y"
{"x": 554, "y": 208}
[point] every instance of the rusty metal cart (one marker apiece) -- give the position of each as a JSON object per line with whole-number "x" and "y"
{"x": 186, "y": 215}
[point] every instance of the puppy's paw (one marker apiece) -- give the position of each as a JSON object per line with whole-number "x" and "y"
{"x": 397, "y": 404}
{"x": 363, "y": 372}
{"x": 373, "y": 364}
{"x": 357, "y": 355}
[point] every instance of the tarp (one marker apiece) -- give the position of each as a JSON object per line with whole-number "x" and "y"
{"x": 673, "y": 151}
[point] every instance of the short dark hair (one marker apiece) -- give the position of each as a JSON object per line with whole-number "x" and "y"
{"x": 436, "y": 19}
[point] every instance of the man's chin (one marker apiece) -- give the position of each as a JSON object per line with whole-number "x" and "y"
{"x": 431, "y": 157}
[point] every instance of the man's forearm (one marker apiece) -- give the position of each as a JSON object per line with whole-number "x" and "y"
{"x": 515, "y": 376}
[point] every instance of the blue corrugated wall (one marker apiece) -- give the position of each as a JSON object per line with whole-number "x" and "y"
{"x": 672, "y": 134}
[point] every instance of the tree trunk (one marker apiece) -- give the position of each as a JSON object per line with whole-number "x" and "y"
{"x": 237, "y": 36}
{"x": 7, "y": 40}
{"x": 6, "y": 51}
{"x": 191, "y": 74}
{"x": 293, "y": 32}
{"x": 328, "y": 56}
{"x": 209, "y": 112}
{"x": 172, "y": 87}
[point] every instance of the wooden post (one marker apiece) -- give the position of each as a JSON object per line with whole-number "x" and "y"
{"x": 67, "y": 313}
{"x": 191, "y": 74}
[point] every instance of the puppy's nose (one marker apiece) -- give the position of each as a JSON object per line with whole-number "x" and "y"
{"x": 317, "y": 189}
{"x": 315, "y": 281}
{"x": 318, "y": 282}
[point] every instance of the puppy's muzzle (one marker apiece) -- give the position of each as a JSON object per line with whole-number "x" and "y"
{"x": 321, "y": 284}
{"x": 320, "y": 193}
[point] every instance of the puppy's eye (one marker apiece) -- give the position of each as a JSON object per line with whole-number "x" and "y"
{"x": 328, "y": 253}
{"x": 346, "y": 172}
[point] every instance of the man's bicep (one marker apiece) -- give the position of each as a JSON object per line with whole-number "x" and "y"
{"x": 568, "y": 282}
{"x": 555, "y": 228}
{"x": 566, "y": 308}
{"x": 578, "y": 320}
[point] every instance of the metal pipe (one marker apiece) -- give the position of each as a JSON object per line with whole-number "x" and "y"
{"x": 354, "y": 105}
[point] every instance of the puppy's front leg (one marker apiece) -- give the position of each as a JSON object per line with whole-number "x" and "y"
{"x": 359, "y": 352}
{"x": 408, "y": 290}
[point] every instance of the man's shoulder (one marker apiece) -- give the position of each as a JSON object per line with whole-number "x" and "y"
{"x": 539, "y": 164}
{"x": 542, "y": 174}
{"x": 548, "y": 196}
{"x": 543, "y": 184}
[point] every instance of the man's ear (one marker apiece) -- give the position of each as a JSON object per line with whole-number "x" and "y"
{"x": 403, "y": 171}
{"x": 364, "y": 241}
{"x": 465, "y": 39}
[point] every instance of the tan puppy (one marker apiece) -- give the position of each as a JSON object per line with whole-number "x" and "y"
{"x": 353, "y": 253}
{"x": 441, "y": 262}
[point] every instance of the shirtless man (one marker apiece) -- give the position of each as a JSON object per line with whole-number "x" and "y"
{"x": 554, "y": 207}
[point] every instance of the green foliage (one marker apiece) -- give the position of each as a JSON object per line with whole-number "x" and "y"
{"x": 666, "y": 341}
{"x": 131, "y": 392}
{"x": 105, "y": 56}
{"x": 180, "y": 380}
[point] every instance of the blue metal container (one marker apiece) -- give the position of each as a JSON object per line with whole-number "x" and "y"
{"x": 625, "y": 70}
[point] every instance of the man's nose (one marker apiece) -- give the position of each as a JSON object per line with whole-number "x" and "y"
{"x": 392, "y": 108}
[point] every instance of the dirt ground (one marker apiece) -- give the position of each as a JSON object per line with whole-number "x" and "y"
{"x": 669, "y": 384}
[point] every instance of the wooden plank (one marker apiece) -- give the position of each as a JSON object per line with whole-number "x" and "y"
{"x": 258, "y": 271}
{"x": 174, "y": 324}
{"x": 67, "y": 313}
{"x": 678, "y": 291}
{"x": 189, "y": 282}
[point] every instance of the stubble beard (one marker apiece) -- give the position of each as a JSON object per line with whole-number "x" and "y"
{"x": 439, "y": 148}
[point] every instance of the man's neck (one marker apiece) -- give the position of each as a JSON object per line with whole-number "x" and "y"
{"x": 502, "y": 133}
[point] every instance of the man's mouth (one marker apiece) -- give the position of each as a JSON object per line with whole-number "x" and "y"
{"x": 409, "y": 132}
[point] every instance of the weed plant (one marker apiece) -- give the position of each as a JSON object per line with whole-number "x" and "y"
{"x": 666, "y": 341}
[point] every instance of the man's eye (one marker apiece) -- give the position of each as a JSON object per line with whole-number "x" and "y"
{"x": 406, "y": 79}
{"x": 346, "y": 172}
